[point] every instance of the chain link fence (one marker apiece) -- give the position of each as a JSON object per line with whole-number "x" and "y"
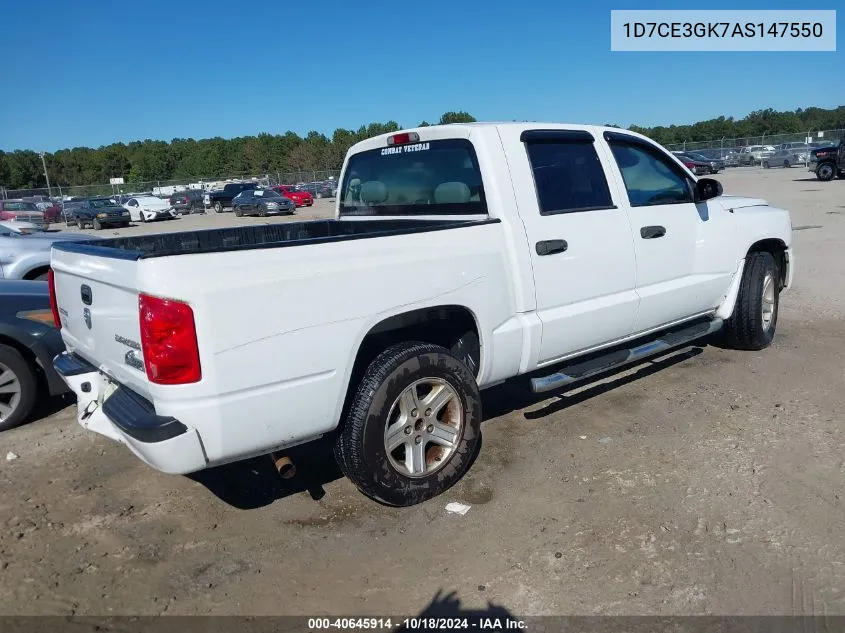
{"x": 754, "y": 150}
{"x": 322, "y": 183}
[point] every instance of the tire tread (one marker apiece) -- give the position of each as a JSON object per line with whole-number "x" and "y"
{"x": 743, "y": 329}
{"x": 348, "y": 451}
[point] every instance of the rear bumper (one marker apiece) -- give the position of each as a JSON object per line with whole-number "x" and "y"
{"x": 114, "y": 411}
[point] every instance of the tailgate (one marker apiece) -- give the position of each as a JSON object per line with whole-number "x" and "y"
{"x": 97, "y": 298}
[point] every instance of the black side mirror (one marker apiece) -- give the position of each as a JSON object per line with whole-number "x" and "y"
{"x": 707, "y": 188}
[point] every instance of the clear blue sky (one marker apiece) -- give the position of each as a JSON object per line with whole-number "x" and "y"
{"x": 95, "y": 72}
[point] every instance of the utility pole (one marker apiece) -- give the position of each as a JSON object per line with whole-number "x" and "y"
{"x": 44, "y": 164}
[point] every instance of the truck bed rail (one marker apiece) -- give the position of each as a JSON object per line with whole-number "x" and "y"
{"x": 251, "y": 237}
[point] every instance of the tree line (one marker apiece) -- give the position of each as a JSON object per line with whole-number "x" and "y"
{"x": 183, "y": 159}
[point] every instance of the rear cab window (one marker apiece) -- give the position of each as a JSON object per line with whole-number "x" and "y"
{"x": 568, "y": 174}
{"x": 438, "y": 177}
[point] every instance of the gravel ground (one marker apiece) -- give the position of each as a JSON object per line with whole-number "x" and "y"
{"x": 708, "y": 481}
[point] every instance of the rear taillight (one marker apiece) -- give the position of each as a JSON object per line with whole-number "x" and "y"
{"x": 169, "y": 341}
{"x": 54, "y": 304}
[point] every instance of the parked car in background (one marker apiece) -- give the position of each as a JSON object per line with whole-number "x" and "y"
{"x": 320, "y": 189}
{"x": 714, "y": 165}
{"x": 188, "y": 201}
{"x": 22, "y": 211}
{"x": 731, "y": 158}
{"x": 301, "y": 198}
{"x": 262, "y": 202}
{"x": 698, "y": 167}
{"x": 25, "y": 249}
{"x": 42, "y": 202}
{"x": 149, "y": 209}
{"x": 727, "y": 156}
{"x": 53, "y": 213}
{"x": 123, "y": 198}
{"x": 755, "y": 154}
{"x": 789, "y": 154}
{"x": 98, "y": 213}
{"x": 828, "y": 162}
{"x": 29, "y": 341}
{"x": 220, "y": 199}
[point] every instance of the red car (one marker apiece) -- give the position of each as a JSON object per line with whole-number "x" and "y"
{"x": 22, "y": 212}
{"x": 300, "y": 198}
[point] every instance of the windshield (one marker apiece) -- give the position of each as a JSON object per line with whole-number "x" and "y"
{"x": 431, "y": 178}
{"x": 101, "y": 204}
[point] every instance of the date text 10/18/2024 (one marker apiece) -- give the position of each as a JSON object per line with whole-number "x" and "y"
{"x": 418, "y": 623}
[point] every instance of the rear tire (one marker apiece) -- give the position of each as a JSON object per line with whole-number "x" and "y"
{"x": 388, "y": 397}
{"x": 262, "y": 212}
{"x": 218, "y": 207}
{"x": 753, "y": 322}
{"x": 15, "y": 374}
{"x": 786, "y": 164}
{"x": 79, "y": 223}
{"x": 765, "y": 164}
{"x": 97, "y": 225}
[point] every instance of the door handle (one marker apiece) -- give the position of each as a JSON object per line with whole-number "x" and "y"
{"x": 651, "y": 232}
{"x": 550, "y": 247}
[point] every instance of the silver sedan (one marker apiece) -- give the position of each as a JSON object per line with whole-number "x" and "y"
{"x": 25, "y": 249}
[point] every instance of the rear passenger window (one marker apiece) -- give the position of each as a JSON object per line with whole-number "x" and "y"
{"x": 568, "y": 176}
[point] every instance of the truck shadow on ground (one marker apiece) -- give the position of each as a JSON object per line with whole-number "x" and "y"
{"x": 254, "y": 483}
{"x": 516, "y": 394}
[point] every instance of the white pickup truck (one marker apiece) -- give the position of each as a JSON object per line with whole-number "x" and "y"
{"x": 460, "y": 256}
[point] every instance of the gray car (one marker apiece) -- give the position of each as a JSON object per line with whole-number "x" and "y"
{"x": 27, "y": 256}
{"x": 789, "y": 155}
{"x": 262, "y": 202}
{"x": 716, "y": 164}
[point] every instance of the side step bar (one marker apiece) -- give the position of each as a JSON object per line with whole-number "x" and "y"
{"x": 666, "y": 340}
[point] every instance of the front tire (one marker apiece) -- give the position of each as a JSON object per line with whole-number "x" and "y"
{"x": 413, "y": 425}
{"x": 97, "y": 225}
{"x": 752, "y": 324}
{"x": 766, "y": 164}
{"x": 18, "y": 388}
{"x": 79, "y": 223}
{"x": 825, "y": 172}
{"x": 238, "y": 212}
{"x": 218, "y": 207}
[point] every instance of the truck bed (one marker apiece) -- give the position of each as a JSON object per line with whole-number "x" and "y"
{"x": 252, "y": 237}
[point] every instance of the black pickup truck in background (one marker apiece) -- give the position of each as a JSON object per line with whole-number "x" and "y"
{"x": 828, "y": 162}
{"x": 222, "y": 198}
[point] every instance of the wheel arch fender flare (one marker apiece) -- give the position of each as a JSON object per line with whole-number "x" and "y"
{"x": 385, "y": 322}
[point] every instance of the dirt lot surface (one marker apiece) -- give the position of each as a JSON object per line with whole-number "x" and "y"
{"x": 710, "y": 481}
